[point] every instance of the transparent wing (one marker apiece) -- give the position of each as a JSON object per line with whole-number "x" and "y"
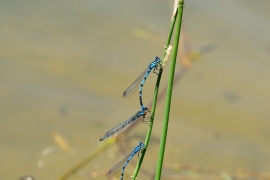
{"x": 120, "y": 127}
{"x": 134, "y": 86}
{"x": 119, "y": 165}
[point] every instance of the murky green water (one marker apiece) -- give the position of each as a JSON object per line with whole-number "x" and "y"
{"x": 65, "y": 64}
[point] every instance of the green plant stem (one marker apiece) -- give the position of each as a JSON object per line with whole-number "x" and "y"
{"x": 91, "y": 156}
{"x": 169, "y": 91}
{"x": 155, "y": 97}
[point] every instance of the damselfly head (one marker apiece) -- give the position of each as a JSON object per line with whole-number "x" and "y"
{"x": 147, "y": 110}
{"x": 157, "y": 59}
{"x": 141, "y": 144}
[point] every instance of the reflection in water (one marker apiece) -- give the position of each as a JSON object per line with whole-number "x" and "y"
{"x": 44, "y": 153}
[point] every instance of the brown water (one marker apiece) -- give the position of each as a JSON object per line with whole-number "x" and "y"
{"x": 65, "y": 64}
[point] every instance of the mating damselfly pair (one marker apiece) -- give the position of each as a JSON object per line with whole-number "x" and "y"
{"x": 145, "y": 113}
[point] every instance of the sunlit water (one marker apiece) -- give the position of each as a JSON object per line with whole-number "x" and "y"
{"x": 65, "y": 64}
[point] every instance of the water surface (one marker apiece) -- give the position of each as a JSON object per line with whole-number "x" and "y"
{"x": 65, "y": 64}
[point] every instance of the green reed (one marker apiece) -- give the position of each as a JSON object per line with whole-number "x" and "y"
{"x": 169, "y": 90}
{"x": 177, "y": 19}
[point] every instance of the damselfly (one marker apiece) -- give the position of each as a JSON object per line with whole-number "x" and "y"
{"x": 125, "y": 161}
{"x": 141, "y": 80}
{"x": 146, "y": 114}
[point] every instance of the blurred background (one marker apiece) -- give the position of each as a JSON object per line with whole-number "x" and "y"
{"x": 65, "y": 64}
